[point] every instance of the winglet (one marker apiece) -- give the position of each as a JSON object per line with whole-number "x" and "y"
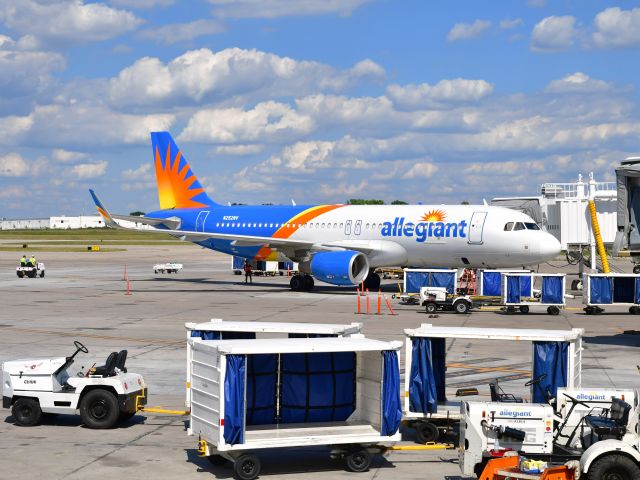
{"x": 108, "y": 219}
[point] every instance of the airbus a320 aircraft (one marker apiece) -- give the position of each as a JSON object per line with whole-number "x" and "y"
{"x": 338, "y": 244}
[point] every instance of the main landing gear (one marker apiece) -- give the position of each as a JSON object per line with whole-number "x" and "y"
{"x": 372, "y": 282}
{"x": 301, "y": 283}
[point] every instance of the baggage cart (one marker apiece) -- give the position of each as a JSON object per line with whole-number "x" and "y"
{"x": 519, "y": 291}
{"x": 611, "y": 289}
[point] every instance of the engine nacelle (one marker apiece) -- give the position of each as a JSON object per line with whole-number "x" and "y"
{"x": 340, "y": 268}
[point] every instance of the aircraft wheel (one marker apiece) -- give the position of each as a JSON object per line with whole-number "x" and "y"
{"x": 308, "y": 283}
{"x": 26, "y": 412}
{"x": 296, "y": 283}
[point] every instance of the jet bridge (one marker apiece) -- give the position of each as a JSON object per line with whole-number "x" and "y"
{"x": 628, "y": 208}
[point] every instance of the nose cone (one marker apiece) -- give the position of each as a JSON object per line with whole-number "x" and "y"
{"x": 549, "y": 247}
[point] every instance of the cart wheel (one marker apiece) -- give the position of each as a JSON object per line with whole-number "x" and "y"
{"x": 217, "y": 460}
{"x": 636, "y": 311}
{"x": 462, "y": 307}
{"x": 431, "y": 307}
{"x": 42, "y": 274}
{"x": 553, "y": 310}
{"x": 246, "y": 467}
{"x": 598, "y": 310}
{"x": 614, "y": 467}
{"x": 589, "y": 310}
{"x": 358, "y": 461}
{"x": 20, "y": 274}
{"x": 636, "y": 269}
{"x": 26, "y": 412}
{"x": 426, "y": 432}
{"x": 99, "y": 409}
{"x": 524, "y": 308}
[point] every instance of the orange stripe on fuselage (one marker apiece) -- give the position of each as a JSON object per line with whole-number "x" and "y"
{"x": 292, "y": 225}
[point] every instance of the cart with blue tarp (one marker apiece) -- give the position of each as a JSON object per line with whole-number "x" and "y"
{"x": 611, "y": 289}
{"x": 416, "y": 278}
{"x": 218, "y": 329}
{"x": 524, "y": 290}
{"x": 249, "y": 395}
{"x": 490, "y": 282}
{"x": 556, "y": 359}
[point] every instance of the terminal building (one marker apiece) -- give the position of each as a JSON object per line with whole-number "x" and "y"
{"x": 61, "y": 223}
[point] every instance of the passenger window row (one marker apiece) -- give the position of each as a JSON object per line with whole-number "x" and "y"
{"x": 290, "y": 225}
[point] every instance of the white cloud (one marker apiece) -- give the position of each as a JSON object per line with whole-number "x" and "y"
{"x": 617, "y": 28}
{"x": 503, "y": 168}
{"x": 343, "y": 189}
{"x": 201, "y": 75}
{"x": 142, "y": 3}
{"x": 65, "y": 156}
{"x": 239, "y": 149}
{"x": 508, "y": 23}
{"x": 283, "y": 8}
{"x": 577, "y": 82}
{"x": 465, "y": 31}
{"x": 553, "y": 34}
{"x": 267, "y": 122}
{"x": 305, "y": 156}
{"x": 182, "y": 32}
{"x": 13, "y": 165}
{"x": 90, "y": 170}
{"x": 65, "y": 21}
{"x": 143, "y": 171}
{"x": 415, "y": 97}
{"x": 421, "y": 170}
{"x": 13, "y": 128}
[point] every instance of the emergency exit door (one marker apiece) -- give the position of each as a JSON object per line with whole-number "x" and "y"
{"x": 476, "y": 227}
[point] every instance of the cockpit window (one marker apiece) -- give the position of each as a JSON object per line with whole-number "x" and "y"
{"x": 532, "y": 226}
{"x": 519, "y": 226}
{"x": 508, "y": 227}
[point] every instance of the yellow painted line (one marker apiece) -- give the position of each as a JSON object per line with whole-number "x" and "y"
{"x": 486, "y": 369}
{"x": 428, "y": 446}
{"x": 164, "y": 410}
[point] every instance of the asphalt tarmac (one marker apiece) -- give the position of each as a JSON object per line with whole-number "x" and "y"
{"x": 83, "y": 297}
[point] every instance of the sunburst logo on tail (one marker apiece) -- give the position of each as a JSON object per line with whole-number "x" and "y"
{"x": 434, "y": 216}
{"x": 175, "y": 181}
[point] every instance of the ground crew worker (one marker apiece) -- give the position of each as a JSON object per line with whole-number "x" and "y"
{"x": 247, "y": 272}
{"x": 23, "y": 261}
{"x": 32, "y": 261}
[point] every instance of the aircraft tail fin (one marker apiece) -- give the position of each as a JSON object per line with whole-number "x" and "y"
{"x": 178, "y": 187}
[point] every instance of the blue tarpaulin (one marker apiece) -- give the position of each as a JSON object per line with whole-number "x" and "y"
{"x": 491, "y": 285}
{"x": 600, "y": 290}
{"x": 238, "y": 263}
{"x": 513, "y": 289}
{"x": 416, "y": 280}
{"x": 262, "y": 374}
{"x": 552, "y": 359}
{"x": 215, "y": 335}
{"x": 391, "y": 409}
{"x": 525, "y": 286}
{"x": 427, "y": 376}
{"x": 624, "y": 289}
{"x": 637, "y": 296}
{"x": 205, "y": 334}
{"x": 552, "y": 290}
{"x": 317, "y": 387}
{"x": 234, "y": 400}
{"x": 311, "y": 335}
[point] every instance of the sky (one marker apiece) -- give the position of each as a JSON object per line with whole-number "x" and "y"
{"x": 316, "y": 101}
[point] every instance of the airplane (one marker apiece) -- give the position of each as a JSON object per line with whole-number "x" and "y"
{"x": 337, "y": 244}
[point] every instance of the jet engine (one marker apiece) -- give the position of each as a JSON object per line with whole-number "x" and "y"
{"x": 340, "y": 268}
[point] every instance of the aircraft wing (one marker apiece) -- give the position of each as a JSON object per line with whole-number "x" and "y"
{"x": 237, "y": 240}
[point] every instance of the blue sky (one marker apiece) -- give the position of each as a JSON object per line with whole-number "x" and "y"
{"x": 315, "y": 100}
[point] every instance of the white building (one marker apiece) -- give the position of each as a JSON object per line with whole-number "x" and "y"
{"x": 562, "y": 210}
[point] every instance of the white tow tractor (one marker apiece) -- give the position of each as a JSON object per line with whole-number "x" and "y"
{"x": 437, "y": 298}
{"x": 31, "y": 271}
{"x": 605, "y": 437}
{"x": 167, "y": 267}
{"x": 103, "y": 394}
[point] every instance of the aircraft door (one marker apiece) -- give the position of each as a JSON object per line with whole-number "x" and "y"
{"x": 476, "y": 227}
{"x": 347, "y": 227}
{"x": 358, "y": 229}
{"x": 202, "y": 217}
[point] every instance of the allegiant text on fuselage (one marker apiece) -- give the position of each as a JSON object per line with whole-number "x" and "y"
{"x": 423, "y": 230}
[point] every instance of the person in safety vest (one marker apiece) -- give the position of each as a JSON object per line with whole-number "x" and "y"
{"x": 32, "y": 261}
{"x": 23, "y": 261}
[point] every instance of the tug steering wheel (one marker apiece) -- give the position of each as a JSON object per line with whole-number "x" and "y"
{"x": 535, "y": 381}
{"x": 80, "y": 347}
